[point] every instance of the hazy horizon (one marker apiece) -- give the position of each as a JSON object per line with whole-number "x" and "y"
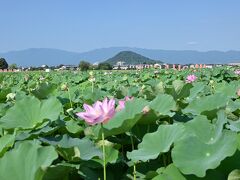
{"x": 116, "y": 47}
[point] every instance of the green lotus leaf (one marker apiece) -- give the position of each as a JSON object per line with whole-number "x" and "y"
{"x": 227, "y": 89}
{"x": 163, "y": 104}
{"x": 124, "y": 120}
{"x": 181, "y": 88}
{"x": 169, "y": 173}
{"x": 234, "y": 126}
{"x": 44, "y": 90}
{"x": 27, "y": 161}
{"x": 74, "y": 147}
{"x": 157, "y": 142}
{"x": 6, "y": 142}
{"x": 111, "y": 155}
{"x": 233, "y": 105}
{"x": 206, "y": 103}
{"x": 73, "y": 127}
{"x": 192, "y": 156}
{"x": 195, "y": 90}
{"x": 29, "y": 112}
{"x": 197, "y": 127}
{"x": 4, "y": 93}
{"x": 62, "y": 171}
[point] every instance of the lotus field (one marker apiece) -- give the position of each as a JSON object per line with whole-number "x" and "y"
{"x": 97, "y": 125}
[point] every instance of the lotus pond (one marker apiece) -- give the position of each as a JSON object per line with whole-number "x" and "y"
{"x": 150, "y": 124}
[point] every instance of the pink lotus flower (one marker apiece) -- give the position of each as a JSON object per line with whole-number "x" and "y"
{"x": 122, "y": 102}
{"x": 191, "y": 78}
{"x": 237, "y": 72}
{"x": 100, "y": 112}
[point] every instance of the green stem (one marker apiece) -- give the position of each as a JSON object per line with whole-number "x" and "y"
{"x": 92, "y": 86}
{"x": 134, "y": 165}
{"x": 104, "y": 157}
{"x": 69, "y": 96}
{"x": 148, "y": 128}
{"x": 164, "y": 160}
{"x": 169, "y": 157}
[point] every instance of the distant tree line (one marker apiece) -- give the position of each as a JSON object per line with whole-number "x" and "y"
{"x": 84, "y": 66}
{"x": 3, "y": 63}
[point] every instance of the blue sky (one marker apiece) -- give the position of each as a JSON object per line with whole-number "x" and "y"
{"x": 82, "y": 25}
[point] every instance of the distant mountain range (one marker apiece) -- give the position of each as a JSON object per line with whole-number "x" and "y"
{"x": 40, "y": 56}
{"x": 130, "y": 57}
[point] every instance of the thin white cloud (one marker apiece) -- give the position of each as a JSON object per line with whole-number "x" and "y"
{"x": 192, "y": 43}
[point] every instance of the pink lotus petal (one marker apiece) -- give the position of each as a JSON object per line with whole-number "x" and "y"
{"x": 121, "y": 104}
{"x": 191, "y": 78}
{"x": 87, "y": 107}
{"x": 111, "y": 103}
{"x": 100, "y": 112}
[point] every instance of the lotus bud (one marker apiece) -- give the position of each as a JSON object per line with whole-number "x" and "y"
{"x": 146, "y": 109}
{"x": 106, "y": 143}
{"x": 26, "y": 78}
{"x": 88, "y": 131}
{"x": 91, "y": 73}
{"x": 64, "y": 87}
{"x": 41, "y": 78}
{"x": 10, "y": 96}
{"x": 92, "y": 79}
{"x": 70, "y": 110}
{"x": 125, "y": 78}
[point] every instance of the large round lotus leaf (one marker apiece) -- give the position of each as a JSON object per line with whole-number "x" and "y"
{"x": 206, "y": 103}
{"x": 234, "y": 126}
{"x": 233, "y": 105}
{"x": 44, "y": 90}
{"x": 192, "y": 156}
{"x": 169, "y": 173}
{"x": 197, "y": 127}
{"x": 157, "y": 142}
{"x": 3, "y": 94}
{"x": 74, "y": 147}
{"x": 27, "y": 161}
{"x": 195, "y": 90}
{"x": 228, "y": 89}
{"x": 29, "y": 112}
{"x": 181, "y": 89}
{"x": 6, "y": 141}
{"x": 163, "y": 104}
{"x": 63, "y": 171}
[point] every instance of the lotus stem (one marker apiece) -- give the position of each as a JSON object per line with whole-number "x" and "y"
{"x": 92, "y": 87}
{"x": 69, "y": 96}
{"x": 134, "y": 165}
{"x": 104, "y": 157}
{"x": 164, "y": 160}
